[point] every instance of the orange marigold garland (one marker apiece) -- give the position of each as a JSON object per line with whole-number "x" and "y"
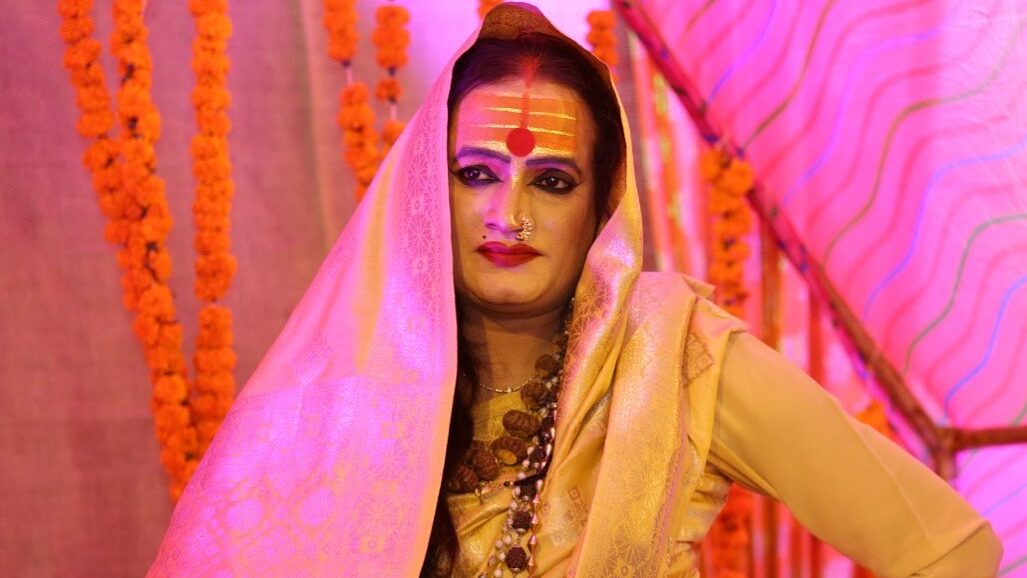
{"x": 730, "y": 179}
{"x": 145, "y": 253}
{"x": 82, "y": 59}
{"x": 131, "y": 196}
{"x": 485, "y": 5}
{"x": 214, "y": 359}
{"x": 356, "y": 117}
{"x": 360, "y": 143}
{"x": 391, "y": 38}
{"x": 730, "y": 537}
{"x": 602, "y": 37}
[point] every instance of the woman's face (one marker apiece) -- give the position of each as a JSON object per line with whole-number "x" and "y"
{"x": 501, "y": 175}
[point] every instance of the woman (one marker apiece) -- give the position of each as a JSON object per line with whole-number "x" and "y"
{"x": 593, "y": 436}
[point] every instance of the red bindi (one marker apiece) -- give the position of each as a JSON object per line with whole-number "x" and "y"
{"x": 520, "y": 141}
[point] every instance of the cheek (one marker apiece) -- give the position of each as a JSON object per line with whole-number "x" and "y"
{"x": 461, "y": 212}
{"x": 576, "y": 231}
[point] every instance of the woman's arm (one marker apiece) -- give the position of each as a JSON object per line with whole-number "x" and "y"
{"x": 778, "y": 432}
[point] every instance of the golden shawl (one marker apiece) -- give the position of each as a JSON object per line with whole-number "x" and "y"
{"x": 330, "y": 461}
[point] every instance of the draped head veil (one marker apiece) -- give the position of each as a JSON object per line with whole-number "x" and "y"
{"x": 329, "y": 462}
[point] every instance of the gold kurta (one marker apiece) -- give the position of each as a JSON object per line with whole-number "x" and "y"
{"x": 778, "y": 433}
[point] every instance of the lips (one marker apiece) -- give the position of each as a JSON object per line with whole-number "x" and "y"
{"x": 507, "y": 256}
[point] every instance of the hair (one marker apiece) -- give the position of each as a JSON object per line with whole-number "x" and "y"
{"x": 489, "y": 61}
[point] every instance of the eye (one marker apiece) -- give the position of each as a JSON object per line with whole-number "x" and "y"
{"x": 475, "y": 175}
{"x": 556, "y": 181}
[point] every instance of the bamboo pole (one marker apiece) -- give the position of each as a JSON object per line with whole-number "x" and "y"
{"x": 770, "y": 331}
{"x": 815, "y": 334}
{"x": 963, "y": 439}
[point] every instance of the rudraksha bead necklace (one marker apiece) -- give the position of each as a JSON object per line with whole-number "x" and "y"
{"x": 528, "y": 442}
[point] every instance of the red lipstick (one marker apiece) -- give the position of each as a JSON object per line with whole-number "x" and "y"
{"x": 507, "y": 256}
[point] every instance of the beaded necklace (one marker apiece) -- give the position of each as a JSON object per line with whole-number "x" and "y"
{"x": 528, "y": 442}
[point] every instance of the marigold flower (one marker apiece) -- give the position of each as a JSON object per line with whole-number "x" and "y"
{"x": 354, "y": 94}
{"x": 74, "y": 8}
{"x": 83, "y": 53}
{"x": 205, "y": 6}
{"x": 211, "y": 97}
{"x": 171, "y": 336}
{"x": 485, "y": 5}
{"x": 220, "y": 383}
{"x": 161, "y": 361}
{"x": 158, "y": 302}
{"x": 391, "y": 16}
{"x": 115, "y": 232}
{"x": 168, "y": 418}
{"x": 137, "y": 55}
{"x": 391, "y": 132}
{"x": 210, "y": 67}
{"x": 213, "y": 24}
{"x": 170, "y": 389}
{"x": 213, "y": 122}
{"x": 203, "y": 404}
{"x": 340, "y": 19}
{"x": 392, "y": 58}
{"x": 212, "y": 242}
{"x": 388, "y": 89}
{"x": 146, "y": 329}
{"x": 737, "y": 178}
{"x": 160, "y": 262}
{"x": 601, "y": 19}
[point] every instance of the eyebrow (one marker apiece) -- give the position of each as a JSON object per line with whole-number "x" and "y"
{"x": 547, "y": 160}
{"x": 567, "y": 161}
{"x": 469, "y": 150}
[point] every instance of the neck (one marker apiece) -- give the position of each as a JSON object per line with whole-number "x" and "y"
{"x": 506, "y": 347}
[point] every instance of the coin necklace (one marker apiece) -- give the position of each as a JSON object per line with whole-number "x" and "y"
{"x": 528, "y": 442}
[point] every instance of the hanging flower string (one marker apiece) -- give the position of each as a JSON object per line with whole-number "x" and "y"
{"x": 730, "y": 179}
{"x": 485, "y": 5}
{"x": 214, "y": 359}
{"x": 82, "y": 59}
{"x": 730, "y": 536}
{"x": 132, "y": 198}
{"x": 145, "y": 254}
{"x": 356, "y": 117}
{"x": 602, "y": 37}
{"x": 391, "y": 38}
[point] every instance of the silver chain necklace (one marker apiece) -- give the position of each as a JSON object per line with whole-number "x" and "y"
{"x": 510, "y": 389}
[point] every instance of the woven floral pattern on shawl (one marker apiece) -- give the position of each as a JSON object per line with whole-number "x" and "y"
{"x": 618, "y": 500}
{"x": 330, "y": 460}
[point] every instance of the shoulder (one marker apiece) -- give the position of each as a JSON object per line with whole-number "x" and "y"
{"x": 688, "y": 298}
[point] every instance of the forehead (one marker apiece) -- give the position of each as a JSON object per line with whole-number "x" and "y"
{"x": 552, "y": 113}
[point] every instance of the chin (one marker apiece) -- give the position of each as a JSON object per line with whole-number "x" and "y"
{"x": 505, "y": 299}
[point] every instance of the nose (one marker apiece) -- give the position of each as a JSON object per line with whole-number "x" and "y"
{"x": 505, "y": 209}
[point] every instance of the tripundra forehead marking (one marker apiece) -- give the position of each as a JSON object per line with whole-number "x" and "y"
{"x": 521, "y": 122}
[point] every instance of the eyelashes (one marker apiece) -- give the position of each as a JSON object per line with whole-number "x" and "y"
{"x": 557, "y": 182}
{"x": 553, "y": 180}
{"x": 476, "y": 176}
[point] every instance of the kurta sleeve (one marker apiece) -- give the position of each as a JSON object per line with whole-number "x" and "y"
{"x": 779, "y": 433}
